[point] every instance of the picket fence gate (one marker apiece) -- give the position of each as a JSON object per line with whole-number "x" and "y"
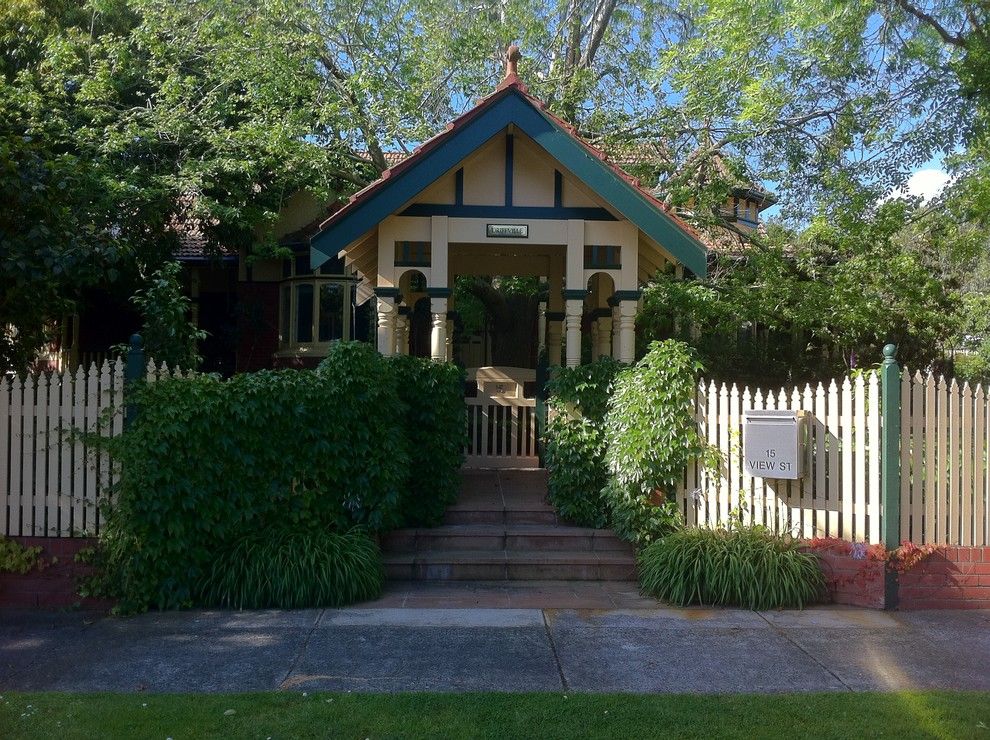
{"x": 51, "y": 478}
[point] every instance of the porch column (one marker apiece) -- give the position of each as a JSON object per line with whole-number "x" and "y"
{"x": 604, "y": 324}
{"x": 575, "y": 291}
{"x": 573, "y": 308}
{"x": 628, "y": 303}
{"x": 614, "y": 304}
{"x": 386, "y": 321}
{"x": 438, "y": 333}
{"x": 402, "y": 331}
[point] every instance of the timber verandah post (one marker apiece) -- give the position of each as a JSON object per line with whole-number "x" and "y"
{"x": 890, "y": 463}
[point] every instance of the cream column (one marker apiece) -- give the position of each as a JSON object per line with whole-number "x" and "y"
{"x": 386, "y": 323}
{"x": 615, "y": 327}
{"x": 604, "y": 324}
{"x": 438, "y": 333}
{"x": 627, "y": 330}
{"x": 575, "y": 291}
{"x": 555, "y": 316}
{"x": 402, "y": 331}
{"x": 573, "y": 309}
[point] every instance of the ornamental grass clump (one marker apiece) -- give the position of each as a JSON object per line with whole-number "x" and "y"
{"x": 743, "y": 566}
{"x": 289, "y": 569}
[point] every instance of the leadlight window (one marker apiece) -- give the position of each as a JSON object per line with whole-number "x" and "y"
{"x": 314, "y": 309}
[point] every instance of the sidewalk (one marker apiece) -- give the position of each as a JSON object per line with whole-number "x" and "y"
{"x": 483, "y": 649}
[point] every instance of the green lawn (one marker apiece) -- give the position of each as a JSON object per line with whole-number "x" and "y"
{"x": 285, "y": 715}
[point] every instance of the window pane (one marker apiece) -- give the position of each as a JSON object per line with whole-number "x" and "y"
{"x": 331, "y": 311}
{"x": 304, "y": 312}
{"x": 285, "y": 316}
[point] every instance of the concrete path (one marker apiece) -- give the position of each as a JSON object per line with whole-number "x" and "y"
{"x": 386, "y": 649}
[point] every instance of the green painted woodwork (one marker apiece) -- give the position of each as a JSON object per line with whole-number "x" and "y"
{"x": 890, "y": 461}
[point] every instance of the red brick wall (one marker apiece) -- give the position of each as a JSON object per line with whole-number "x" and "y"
{"x": 853, "y": 582}
{"x": 55, "y": 585}
{"x": 257, "y": 326}
{"x": 955, "y": 578}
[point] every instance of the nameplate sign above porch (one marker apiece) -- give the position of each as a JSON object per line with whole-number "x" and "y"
{"x": 507, "y": 231}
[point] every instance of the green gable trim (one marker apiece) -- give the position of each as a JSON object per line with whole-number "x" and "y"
{"x": 513, "y": 108}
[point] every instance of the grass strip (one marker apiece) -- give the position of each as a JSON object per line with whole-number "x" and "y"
{"x": 300, "y": 714}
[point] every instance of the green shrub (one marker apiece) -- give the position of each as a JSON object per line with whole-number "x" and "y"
{"x": 208, "y": 462}
{"x": 651, "y": 435}
{"x": 284, "y": 568}
{"x": 744, "y": 566}
{"x": 16, "y": 558}
{"x": 574, "y": 440}
{"x": 433, "y": 423}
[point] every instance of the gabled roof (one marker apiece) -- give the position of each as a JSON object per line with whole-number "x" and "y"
{"x": 509, "y": 104}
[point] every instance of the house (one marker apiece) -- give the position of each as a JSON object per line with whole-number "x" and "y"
{"x": 508, "y": 189}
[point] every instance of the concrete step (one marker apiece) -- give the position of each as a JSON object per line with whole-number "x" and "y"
{"x": 514, "y": 537}
{"x": 525, "y": 565}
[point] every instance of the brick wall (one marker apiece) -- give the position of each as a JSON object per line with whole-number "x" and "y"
{"x": 853, "y": 582}
{"x": 956, "y": 578}
{"x": 55, "y": 585}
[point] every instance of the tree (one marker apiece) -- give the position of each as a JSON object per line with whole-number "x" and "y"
{"x": 125, "y": 121}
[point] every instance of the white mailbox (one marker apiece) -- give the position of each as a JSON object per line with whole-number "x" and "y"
{"x": 773, "y": 444}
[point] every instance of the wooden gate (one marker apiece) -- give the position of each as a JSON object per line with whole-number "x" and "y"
{"x": 501, "y": 418}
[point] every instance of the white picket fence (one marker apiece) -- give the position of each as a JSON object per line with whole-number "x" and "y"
{"x": 839, "y": 494}
{"x": 945, "y": 478}
{"x": 50, "y": 477}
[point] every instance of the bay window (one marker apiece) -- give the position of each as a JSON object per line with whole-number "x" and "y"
{"x": 314, "y": 309}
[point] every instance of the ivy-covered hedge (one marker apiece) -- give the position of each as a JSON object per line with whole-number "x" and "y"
{"x": 574, "y": 440}
{"x": 618, "y": 438}
{"x": 432, "y": 417}
{"x": 209, "y": 462}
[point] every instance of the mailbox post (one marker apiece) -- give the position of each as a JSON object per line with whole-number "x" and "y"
{"x": 773, "y": 444}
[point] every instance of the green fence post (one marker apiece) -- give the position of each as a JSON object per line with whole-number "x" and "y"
{"x": 890, "y": 466}
{"x": 133, "y": 371}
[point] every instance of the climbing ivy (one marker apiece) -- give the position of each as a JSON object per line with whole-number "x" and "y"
{"x": 574, "y": 440}
{"x": 650, "y": 436}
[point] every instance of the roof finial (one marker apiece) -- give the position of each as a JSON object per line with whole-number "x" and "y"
{"x": 512, "y": 57}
